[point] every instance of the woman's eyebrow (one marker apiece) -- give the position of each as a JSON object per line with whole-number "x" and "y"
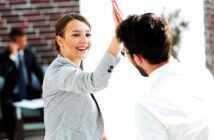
{"x": 81, "y": 31}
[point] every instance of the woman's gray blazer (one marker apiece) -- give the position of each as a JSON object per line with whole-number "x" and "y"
{"x": 70, "y": 112}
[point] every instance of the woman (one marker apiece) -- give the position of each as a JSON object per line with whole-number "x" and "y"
{"x": 70, "y": 111}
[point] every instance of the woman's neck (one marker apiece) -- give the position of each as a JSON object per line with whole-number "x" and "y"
{"x": 76, "y": 61}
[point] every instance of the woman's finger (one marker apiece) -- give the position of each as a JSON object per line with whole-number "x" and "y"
{"x": 104, "y": 137}
{"x": 115, "y": 18}
{"x": 114, "y": 1}
{"x": 117, "y": 12}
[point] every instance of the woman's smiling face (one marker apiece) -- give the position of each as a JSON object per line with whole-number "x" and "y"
{"x": 76, "y": 41}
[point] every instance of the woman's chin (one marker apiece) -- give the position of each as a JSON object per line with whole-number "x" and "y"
{"x": 83, "y": 56}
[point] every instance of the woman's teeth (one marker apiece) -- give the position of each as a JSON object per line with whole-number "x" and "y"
{"x": 82, "y": 49}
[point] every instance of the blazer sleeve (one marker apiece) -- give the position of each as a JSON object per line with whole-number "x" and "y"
{"x": 6, "y": 64}
{"x": 76, "y": 81}
{"x": 36, "y": 68}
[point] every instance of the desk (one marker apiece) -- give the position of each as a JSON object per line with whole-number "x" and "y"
{"x": 28, "y": 104}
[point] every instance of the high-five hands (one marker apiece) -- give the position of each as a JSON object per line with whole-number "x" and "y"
{"x": 117, "y": 14}
{"x": 115, "y": 46}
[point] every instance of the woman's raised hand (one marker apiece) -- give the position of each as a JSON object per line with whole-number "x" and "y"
{"x": 114, "y": 47}
{"x": 117, "y": 14}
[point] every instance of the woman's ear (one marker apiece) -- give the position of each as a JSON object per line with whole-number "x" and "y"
{"x": 59, "y": 41}
{"x": 138, "y": 59}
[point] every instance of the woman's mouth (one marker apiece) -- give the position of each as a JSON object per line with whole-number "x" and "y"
{"x": 82, "y": 49}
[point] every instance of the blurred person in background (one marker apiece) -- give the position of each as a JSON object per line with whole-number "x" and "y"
{"x": 176, "y": 106}
{"x": 71, "y": 112}
{"x": 17, "y": 63}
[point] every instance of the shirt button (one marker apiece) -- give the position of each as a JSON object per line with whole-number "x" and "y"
{"x": 109, "y": 70}
{"x": 111, "y": 67}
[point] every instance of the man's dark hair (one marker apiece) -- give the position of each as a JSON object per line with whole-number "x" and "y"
{"x": 147, "y": 35}
{"x": 16, "y": 32}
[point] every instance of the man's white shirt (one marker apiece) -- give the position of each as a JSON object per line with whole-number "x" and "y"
{"x": 176, "y": 106}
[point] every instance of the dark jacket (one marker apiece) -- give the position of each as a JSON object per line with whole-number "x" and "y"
{"x": 9, "y": 71}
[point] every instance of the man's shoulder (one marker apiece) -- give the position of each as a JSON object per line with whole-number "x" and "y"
{"x": 4, "y": 55}
{"x": 5, "y": 52}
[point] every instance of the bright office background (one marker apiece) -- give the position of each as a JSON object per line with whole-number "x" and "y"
{"x": 117, "y": 101}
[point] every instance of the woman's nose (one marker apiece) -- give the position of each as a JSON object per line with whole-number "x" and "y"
{"x": 84, "y": 39}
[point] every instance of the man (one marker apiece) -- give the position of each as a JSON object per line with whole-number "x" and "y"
{"x": 17, "y": 63}
{"x": 175, "y": 107}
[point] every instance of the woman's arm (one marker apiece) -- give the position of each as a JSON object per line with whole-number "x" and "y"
{"x": 66, "y": 77}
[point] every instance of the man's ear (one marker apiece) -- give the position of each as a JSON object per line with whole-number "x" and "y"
{"x": 138, "y": 59}
{"x": 59, "y": 41}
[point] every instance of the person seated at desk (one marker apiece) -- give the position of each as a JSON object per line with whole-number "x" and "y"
{"x": 17, "y": 63}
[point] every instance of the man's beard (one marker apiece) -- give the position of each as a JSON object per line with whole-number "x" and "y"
{"x": 141, "y": 70}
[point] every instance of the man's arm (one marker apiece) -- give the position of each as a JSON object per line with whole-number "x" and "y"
{"x": 36, "y": 68}
{"x": 6, "y": 64}
{"x": 148, "y": 127}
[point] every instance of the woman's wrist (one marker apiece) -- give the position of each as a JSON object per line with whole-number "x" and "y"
{"x": 114, "y": 47}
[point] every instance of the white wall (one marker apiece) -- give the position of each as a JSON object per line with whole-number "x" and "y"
{"x": 117, "y": 101}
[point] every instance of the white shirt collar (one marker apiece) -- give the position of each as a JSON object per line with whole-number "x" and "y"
{"x": 21, "y": 52}
{"x": 164, "y": 69}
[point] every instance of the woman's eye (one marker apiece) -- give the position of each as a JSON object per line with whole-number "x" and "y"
{"x": 76, "y": 35}
{"x": 88, "y": 35}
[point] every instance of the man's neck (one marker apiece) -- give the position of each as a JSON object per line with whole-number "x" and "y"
{"x": 151, "y": 68}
